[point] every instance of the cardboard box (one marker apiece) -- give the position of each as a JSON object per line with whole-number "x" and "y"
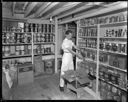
{"x": 25, "y": 74}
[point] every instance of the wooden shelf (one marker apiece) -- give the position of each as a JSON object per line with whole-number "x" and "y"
{"x": 113, "y": 84}
{"x": 44, "y": 54}
{"x": 113, "y": 38}
{"x": 52, "y": 33}
{"x": 113, "y": 52}
{"x": 89, "y": 48}
{"x": 106, "y": 24}
{"x": 114, "y": 24}
{"x": 14, "y": 32}
{"x": 87, "y": 59}
{"x": 44, "y": 43}
{"x": 12, "y": 44}
{"x": 87, "y": 37}
{"x": 11, "y": 57}
{"x": 113, "y": 67}
{"x": 89, "y": 26}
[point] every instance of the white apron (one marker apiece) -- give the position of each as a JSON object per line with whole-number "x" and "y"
{"x": 67, "y": 59}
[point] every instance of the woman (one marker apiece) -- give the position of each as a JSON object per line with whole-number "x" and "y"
{"x": 67, "y": 59}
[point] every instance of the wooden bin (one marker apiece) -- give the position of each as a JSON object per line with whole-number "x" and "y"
{"x": 25, "y": 74}
{"x": 49, "y": 67}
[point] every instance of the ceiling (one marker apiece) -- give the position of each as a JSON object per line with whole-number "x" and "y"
{"x": 46, "y": 10}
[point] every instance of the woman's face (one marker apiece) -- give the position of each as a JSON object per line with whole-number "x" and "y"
{"x": 70, "y": 35}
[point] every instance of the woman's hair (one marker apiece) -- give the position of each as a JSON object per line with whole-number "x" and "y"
{"x": 67, "y": 32}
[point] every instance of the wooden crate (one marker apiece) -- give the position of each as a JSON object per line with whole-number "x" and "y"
{"x": 25, "y": 74}
{"x": 49, "y": 67}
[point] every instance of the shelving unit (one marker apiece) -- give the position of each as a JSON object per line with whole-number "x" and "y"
{"x": 38, "y": 39}
{"x": 32, "y": 34}
{"x": 14, "y": 43}
{"x": 95, "y": 43}
{"x": 43, "y": 42}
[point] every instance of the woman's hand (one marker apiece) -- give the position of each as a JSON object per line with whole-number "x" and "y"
{"x": 79, "y": 56}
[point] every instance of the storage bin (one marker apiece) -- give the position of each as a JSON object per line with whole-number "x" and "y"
{"x": 25, "y": 74}
{"x": 49, "y": 66}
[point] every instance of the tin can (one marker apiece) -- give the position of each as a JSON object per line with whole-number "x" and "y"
{"x": 109, "y": 95}
{"x": 124, "y": 97}
{"x": 114, "y": 90}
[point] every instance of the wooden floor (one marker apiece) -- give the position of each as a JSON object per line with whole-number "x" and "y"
{"x": 45, "y": 88}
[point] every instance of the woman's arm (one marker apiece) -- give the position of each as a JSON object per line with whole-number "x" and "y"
{"x": 76, "y": 47}
{"x": 74, "y": 53}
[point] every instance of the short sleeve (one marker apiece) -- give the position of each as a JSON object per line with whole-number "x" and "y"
{"x": 67, "y": 44}
{"x": 73, "y": 43}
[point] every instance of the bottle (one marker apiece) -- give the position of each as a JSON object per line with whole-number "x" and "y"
{"x": 124, "y": 34}
{"x": 3, "y": 51}
{"x": 121, "y": 17}
{"x": 43, "y": 28}
{"x": 12, "y": 50}
{"x": 46, "y": 37}
{"x": 38, "y": 34}
{"x": 120, "y": 31}
{"x": 33, "y": 27}
{"x": 43, "y": 37}
{"x": 39, "y": 29}
{"x": 49, "y": 28}
{"x": 3, "y": 37}
{"x": 7, "y": 38}
{"x": 42, "y": 49}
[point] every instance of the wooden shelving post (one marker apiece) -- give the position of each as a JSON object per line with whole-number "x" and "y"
{"x": 32, "y": 49}
{"x": 56, "y": 40}
{"x": 97, "y": 68}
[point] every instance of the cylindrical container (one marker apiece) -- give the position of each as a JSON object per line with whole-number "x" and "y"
{"x": 123, "y": 48}
{"x": 17, "y": 50}
{"x": 42, "y": 28}
{"x": 29, "y": 49}
{"x": 38, "y": 37}
{"x": 123, "y": 96}
{"x": 25, "y": 49}
{"x": 7, "y": 51}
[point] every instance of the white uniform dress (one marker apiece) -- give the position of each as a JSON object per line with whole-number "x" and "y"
{"x": 67, "y": 59}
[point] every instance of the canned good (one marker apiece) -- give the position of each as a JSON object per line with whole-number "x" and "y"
{"x": 109, "y": 95}
{"x": 17, "y": 53}
{"x": 123, "y": 97}
{"x": 114, "y": 90}
{"x": 22, "y": 52}
{"x": 117, "y": 98}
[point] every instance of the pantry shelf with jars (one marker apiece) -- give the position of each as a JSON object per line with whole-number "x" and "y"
{"x": 103, "y": 40}
{"x": 43, "y": 43}
{"x": 21, "y": 43}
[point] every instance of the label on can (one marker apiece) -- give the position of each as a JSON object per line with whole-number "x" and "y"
{"x": 124, "y": 98}
{"x": 114, "y": 89}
